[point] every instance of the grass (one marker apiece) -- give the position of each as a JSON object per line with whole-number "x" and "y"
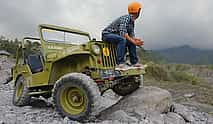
{"x": 180, "y": 79}
{"x": 171, "y": 72}
{"x": 210, "y": 67}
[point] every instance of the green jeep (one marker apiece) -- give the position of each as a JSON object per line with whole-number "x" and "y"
{"x": 72, "y": 68}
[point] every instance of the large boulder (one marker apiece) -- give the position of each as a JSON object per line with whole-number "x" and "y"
{"x": 145, "y": 99}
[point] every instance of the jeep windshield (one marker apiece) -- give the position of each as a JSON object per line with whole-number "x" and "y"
{"x": 58, "y": 36}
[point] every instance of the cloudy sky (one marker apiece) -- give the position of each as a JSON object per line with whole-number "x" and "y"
{"x": 163, "y": 24}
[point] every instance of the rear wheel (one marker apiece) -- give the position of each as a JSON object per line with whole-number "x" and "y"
{"x": 127, "y": 86}
{"x": 20, "y": 94}
{"x": 74, "y": 96}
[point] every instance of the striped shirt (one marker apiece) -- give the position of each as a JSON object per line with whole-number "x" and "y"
{"x": 122, "y": 25}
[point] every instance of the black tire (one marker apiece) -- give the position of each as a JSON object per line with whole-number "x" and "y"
{"x": 126, "y": 86}
{"x": 20, "y": 94}
{"x": 77, "y": 90}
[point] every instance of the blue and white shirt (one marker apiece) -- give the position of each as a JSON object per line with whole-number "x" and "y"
{"x": 122, "y": 25}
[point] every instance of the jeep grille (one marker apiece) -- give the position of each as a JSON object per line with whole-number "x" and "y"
{"x": 108, "y": 61}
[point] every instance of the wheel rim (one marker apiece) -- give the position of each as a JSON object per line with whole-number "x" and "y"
{"x": 73, "y": 100}
{"x": 19, "y": 90}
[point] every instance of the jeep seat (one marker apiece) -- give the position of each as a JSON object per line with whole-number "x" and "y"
{"x": 35, "y": 63}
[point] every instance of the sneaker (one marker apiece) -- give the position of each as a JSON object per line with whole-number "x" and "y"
{"x": 138, "y": 66}
{"x": 122, "y": 67}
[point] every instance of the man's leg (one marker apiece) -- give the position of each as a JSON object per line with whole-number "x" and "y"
{"x": 120, "y": 43}
{"x": 132, "y": 53}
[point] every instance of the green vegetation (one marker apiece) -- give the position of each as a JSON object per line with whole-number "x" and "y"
{"x": 160, "y": 71}
{"x": 171, "y": 72}
{"x": 12, "y": 45}
{"x": 9, "y": 45}
{"x": 210, "y": 67}
{"x": 148, "y": 55}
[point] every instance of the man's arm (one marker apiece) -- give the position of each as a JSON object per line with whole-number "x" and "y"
{"x": 135, "y": 41}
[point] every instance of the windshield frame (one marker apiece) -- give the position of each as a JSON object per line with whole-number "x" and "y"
{"x": 61, "y": 29}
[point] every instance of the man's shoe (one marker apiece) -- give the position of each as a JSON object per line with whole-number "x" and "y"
{"x": 138, "y": 65}
{"x": 122, "y": 67}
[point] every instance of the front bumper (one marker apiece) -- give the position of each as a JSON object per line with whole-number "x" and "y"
{"x": 110, "y": 73}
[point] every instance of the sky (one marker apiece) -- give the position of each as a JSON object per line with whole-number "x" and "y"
{"x": 163, "y": 23}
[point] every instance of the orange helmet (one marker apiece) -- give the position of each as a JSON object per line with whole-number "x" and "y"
{"x": 134, "y": 7}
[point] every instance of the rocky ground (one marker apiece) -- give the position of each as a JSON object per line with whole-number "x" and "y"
{"x": 147, "y": 105}
{"x": 194, "y": 94}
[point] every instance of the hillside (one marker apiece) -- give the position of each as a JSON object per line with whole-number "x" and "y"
{"x": 186, "y": 55}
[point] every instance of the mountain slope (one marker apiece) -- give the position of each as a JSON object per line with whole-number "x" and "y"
{"x": 187, "y": 55}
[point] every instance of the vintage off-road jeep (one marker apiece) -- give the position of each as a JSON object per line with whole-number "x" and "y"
{"x": 75, "y": 70}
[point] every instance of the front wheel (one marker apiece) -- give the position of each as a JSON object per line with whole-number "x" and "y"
{"x": 20, "y": 94}
{"x": 127, "y": 85}
{"x": 74, "y": 96}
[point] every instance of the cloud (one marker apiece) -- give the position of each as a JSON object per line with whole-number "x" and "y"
{"x": 163, "y": 23}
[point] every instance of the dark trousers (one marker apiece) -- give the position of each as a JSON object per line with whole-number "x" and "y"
{"x": 121, "y": 44}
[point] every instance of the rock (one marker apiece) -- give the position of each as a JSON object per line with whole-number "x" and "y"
{"x": 105, "y": 101}
{"x": 146, "y": 99}
{"x": 10, "y": 118}
{"x": 109, "y": 122}
{"x": 184, "y": 112}
{"x": 210, "y": 120}
{"x": 192, "y": 116}
{"x": 156, "y": 117}
{"x": 109, "y": 94}
{"x": 138, "y": 115}
{"x": 2, "y": 122}
{"x": 68, "y": 121}
{"x": 122, "y": 117}
{"x": 56, "y": 122}
{"x": 10, "y": 115}
{"x": 200, "y": 118}
{"x": 173, "y": 118}
{"x": 27, "y": 107}
{"x": 189, "y": 95}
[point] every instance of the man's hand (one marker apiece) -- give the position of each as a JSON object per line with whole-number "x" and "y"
{"x": 135, "y": 41}
{"x": 138, "y": 42}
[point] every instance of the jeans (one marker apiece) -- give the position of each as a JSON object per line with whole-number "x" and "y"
{"x": 121, "y": 44}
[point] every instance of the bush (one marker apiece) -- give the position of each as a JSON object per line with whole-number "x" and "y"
{"x": 171, "y": 72}
{"x": 157, "y": 72}
{"x": 184, "y": 76}
{"x": 210, "y": 67}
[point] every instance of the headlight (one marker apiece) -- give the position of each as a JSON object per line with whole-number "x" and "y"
{"x": 96, "y": 49}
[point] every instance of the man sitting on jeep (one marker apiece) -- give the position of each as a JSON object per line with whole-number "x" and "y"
{"x": 121, "y": 33}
